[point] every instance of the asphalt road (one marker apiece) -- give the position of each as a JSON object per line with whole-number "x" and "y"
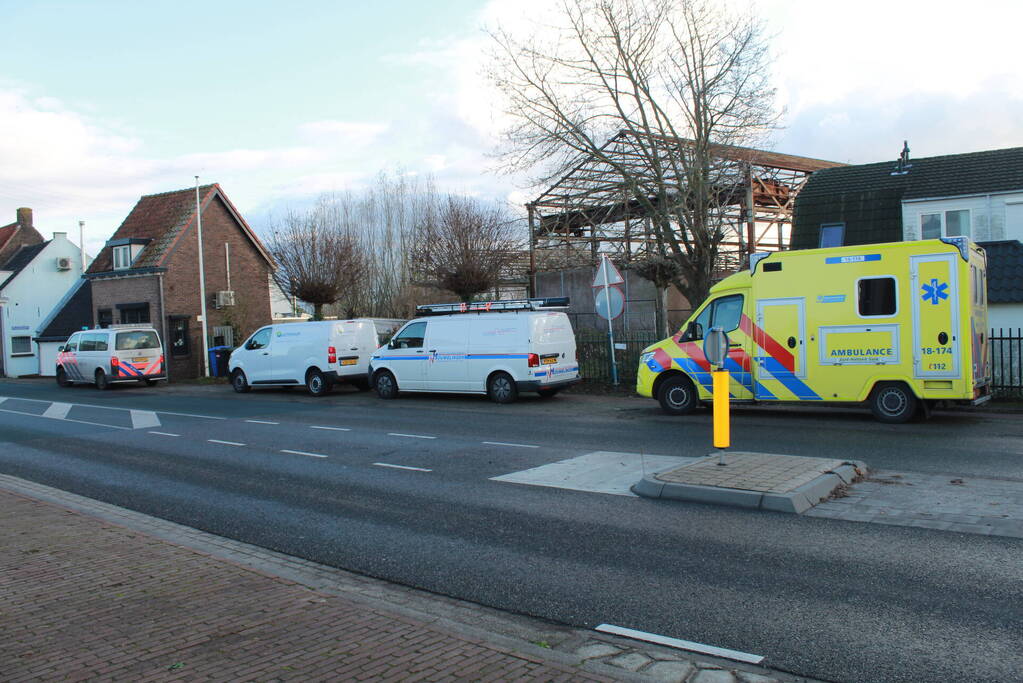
{"x": 823, "y": 598}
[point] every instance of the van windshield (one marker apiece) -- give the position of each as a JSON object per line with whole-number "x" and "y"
{"x": 129, "y": 341}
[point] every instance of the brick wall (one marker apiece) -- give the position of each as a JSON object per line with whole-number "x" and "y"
{"x": 249, "y": 273}
{"x": 107, "y": 294}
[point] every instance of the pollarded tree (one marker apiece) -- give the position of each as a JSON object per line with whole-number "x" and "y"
{"x": 464, "y": 245}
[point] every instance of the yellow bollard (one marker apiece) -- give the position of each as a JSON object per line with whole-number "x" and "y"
{"x": 721, "y": 418}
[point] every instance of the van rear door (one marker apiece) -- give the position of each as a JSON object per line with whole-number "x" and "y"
{"x": 553, "y": 341}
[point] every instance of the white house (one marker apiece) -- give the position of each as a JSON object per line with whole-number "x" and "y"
{"x": 33, "y": 281}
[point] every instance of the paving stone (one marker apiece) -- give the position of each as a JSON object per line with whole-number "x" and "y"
{"x": 713, "y": 676}
{"x": 747, "y": 677}
{"x": 633, "y": 661}
{"x": 593, "y": 650}
{"x": 670, "y": 671}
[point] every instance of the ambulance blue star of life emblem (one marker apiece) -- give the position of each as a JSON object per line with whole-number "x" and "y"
{"x": 935, "y": 291}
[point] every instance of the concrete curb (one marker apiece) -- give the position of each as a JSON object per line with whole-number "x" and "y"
{"x": 797, "y": 501}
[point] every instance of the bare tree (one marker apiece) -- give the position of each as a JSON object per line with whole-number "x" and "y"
{"x": 464, "y": 246}
{"x": 675, "y": 81}
{"x": 318, "y": 259}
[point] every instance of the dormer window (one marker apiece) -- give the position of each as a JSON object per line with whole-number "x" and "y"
{"x": 122, "y": 257}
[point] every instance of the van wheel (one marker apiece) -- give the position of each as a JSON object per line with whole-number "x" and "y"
{"x": 239, "y": 382}
{"x": 547, "y": 393}
{"x": 386, "y": 387}
{"x": 102, "y": 383}
{"x": 501, "y": 388}
{"x": 893, "y": 402}
{"x": 62, "y": 380}
{"x": 677, "y": 395}
{"x": 317, "y": 383}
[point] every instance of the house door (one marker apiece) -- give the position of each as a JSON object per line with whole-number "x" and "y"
{"x": 935, "y": 316}
{"x": 781, "y": 350}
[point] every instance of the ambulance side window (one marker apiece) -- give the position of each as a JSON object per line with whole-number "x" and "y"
{"x": 727, "y": 311}
{"x": 876, "y": 297}
{"x": 699, "y": 325}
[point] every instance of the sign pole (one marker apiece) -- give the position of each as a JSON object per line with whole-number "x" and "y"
{"x": 610, "y": 328}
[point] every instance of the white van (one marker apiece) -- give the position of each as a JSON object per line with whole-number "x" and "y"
{"x": 316, "y": 354}
{"x": 497, "y": 348}
{"x": 122, "y": 353}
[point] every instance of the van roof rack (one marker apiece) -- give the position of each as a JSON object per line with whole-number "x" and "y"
{"x": 493, "y": 306}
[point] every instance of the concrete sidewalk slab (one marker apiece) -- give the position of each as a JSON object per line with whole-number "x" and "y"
{"x": 765, "y": 481}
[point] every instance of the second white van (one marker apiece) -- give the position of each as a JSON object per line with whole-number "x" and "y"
{"x": 317, "y": 354}
{"x": 497, "y": 348}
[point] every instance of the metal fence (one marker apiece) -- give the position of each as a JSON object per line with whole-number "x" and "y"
{"x": 595, "y": 360}
{"x": 595, "y": 366}
{"x": 1007, "y": 361}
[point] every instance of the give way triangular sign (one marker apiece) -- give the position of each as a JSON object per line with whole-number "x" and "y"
{"x": 607, "y": 274}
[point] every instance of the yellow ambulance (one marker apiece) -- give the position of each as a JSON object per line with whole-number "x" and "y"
{"x": 900, "y": 326}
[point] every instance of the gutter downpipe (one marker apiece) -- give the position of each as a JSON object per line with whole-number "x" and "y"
{"x": 163, "y": 327}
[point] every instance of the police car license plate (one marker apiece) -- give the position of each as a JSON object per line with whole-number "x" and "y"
{"x": 352, "y": 361}
{"x": 141, "y": 359}
{"x": 549, "y": 361}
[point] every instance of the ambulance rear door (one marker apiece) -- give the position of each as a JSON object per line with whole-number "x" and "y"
{"x": 936, "y": 341}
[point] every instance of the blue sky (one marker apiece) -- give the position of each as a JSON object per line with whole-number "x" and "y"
{"x": 101, "y": 102}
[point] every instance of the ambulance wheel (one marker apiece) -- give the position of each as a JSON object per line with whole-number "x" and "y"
{"x": 893, "y": 402}
{"x": 317, "y": 383}
{"x": 547, "y": 393}
{"x": 239, "y": 382}
{"x": 501, "y": 388}
{"x": 62, "y": 380}
{"x": 677, "y": 395}
{"x": 101, "y": 380}
{"x": 385, "y": 385}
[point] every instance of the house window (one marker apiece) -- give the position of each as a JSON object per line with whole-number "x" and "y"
{"x": 947, "y": 224}
{"x": 21, "y": 346}
{"x": 133, "y": 314}
{"x": 877, "y": 297}
{"x": 180, "y": 346}
{"x": 122, "y": 257}
{"x": 832, "y": 234}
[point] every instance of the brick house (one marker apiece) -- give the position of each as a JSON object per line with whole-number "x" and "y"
{"x": 149, "y": 272}
{"x": 18, "y": 234}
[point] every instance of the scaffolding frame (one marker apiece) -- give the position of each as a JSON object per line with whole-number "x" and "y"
{"x": 592, "y": 210}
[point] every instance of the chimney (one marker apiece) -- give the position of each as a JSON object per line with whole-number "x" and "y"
{"x": 25, "y": 217}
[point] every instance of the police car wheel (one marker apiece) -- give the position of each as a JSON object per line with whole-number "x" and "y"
{"x": 101, "y": 380}
{"x": 385, "y": 385}
{"x": 893, "y": 403}
{"x": 62, "y": 380}
{"x": 239, "y": 382}
{"x": 316, "y": 383}
{"x": 501, "y": 388}
{"x": 677, "y": 395}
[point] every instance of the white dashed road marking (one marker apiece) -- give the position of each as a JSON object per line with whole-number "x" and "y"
{"x": 402, "y": 467}
{"x": 735, "y": 655}
{"x": 263, "y": 422}
{"x": 411, "y": 436}
{"x": 144, "y": 419}
{"x": 513, "y": 445}
{"x": 333, "y": 429}
{"x": 226, "y": 443}
{"x": 58, "y": 411}
{"x": 311, "y": 455}
{"x": 164, "y": 433}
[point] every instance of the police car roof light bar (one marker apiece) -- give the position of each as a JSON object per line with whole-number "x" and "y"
{"x": 493, "y": 306}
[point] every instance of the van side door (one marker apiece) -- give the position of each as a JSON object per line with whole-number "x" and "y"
{"x": 447, "y": 343}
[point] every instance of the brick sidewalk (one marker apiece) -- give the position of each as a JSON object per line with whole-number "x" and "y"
{"x": 81, "y": 598}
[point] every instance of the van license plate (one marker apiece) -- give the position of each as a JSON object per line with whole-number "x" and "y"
{"x": 353, "y": 361}
{"x": 549, "y": 361}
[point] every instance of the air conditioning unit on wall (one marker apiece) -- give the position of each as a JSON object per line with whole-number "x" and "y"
{"x": 63, "y": 263}
{"x": 225, "y": 298}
